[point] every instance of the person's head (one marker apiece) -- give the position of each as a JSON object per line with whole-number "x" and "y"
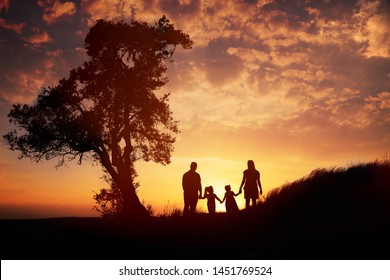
{"x": 209, "y": 189}
{"x": 193, "y": 166}
{"x": 227, "y": 188}
{"x": 251, "y": 164}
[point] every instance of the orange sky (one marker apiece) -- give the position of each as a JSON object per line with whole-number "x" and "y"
{"x": 292, "y": 85}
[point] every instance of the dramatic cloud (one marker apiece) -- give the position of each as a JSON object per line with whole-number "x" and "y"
{"x": 15, "y": 27}
{"x": 55, "y": 11}
{"x": 373, "y": 23}
{"x": 40, "y": 37}
{"x": 107, "y": 9}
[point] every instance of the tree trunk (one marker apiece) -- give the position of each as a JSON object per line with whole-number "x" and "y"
{"x": 132, "y": 207}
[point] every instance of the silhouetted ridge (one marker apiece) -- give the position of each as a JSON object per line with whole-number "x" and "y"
{"x": 358, "y": 193}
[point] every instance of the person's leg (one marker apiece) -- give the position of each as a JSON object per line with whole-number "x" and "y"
{"x": 193, "y": 203}
{"x": 247, "y": 202}
{"x": 211, "y": 208}
{"x": 254, "y": 201}
{"x": 186, "y": 205}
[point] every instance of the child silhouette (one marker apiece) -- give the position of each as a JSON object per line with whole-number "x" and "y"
{"x": 231, "y": 204}
{"x": 211, "y": 197}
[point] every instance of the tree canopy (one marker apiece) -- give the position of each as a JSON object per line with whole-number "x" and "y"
{"x": 107, "y": 110}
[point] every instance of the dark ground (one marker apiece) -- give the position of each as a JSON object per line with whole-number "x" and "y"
{"x": 201, "y": 237}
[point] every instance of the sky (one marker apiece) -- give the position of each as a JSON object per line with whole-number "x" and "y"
{"x": 292, "y": 85}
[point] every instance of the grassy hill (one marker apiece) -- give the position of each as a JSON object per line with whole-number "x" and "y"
{"x": 355, "y": 195}
{"x": 338, "y": 213}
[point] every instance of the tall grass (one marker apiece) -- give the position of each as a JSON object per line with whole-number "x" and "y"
{"x": 170, "y": 210}
{"x": 359, "y": 191}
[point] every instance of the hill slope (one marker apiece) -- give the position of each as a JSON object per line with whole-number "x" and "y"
{"x": 355, "y": 194}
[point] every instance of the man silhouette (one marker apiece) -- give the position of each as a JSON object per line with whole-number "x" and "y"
{"x": 192, "y": 189}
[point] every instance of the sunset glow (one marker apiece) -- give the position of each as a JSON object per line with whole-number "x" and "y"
{"x": 292, "y": 85}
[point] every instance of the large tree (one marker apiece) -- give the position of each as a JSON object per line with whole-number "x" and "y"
{"x": 109, "y": 109}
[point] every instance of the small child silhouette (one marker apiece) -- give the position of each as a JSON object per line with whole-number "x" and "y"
{"x": 211, "y": 197}
{"x": 231, "y": 204}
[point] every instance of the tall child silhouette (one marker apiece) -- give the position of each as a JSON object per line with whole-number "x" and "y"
{"x": 211, "y": 197}
{"x": 231, "y": 204}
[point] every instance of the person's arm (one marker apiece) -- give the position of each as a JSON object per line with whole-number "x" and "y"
{"x": 259, "y": 183}
{"x": 218, "y": 198}
{"x": 242, "y": 182}
{"x": 200, "y": 187}
{"x": 223, "y": 198}
{"x": 183, "y": 180}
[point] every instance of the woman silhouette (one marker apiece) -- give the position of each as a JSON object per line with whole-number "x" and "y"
{"x": 250, "y": 182}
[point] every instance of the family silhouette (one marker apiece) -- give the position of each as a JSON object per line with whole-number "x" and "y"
{"x": 192, "y": 190}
